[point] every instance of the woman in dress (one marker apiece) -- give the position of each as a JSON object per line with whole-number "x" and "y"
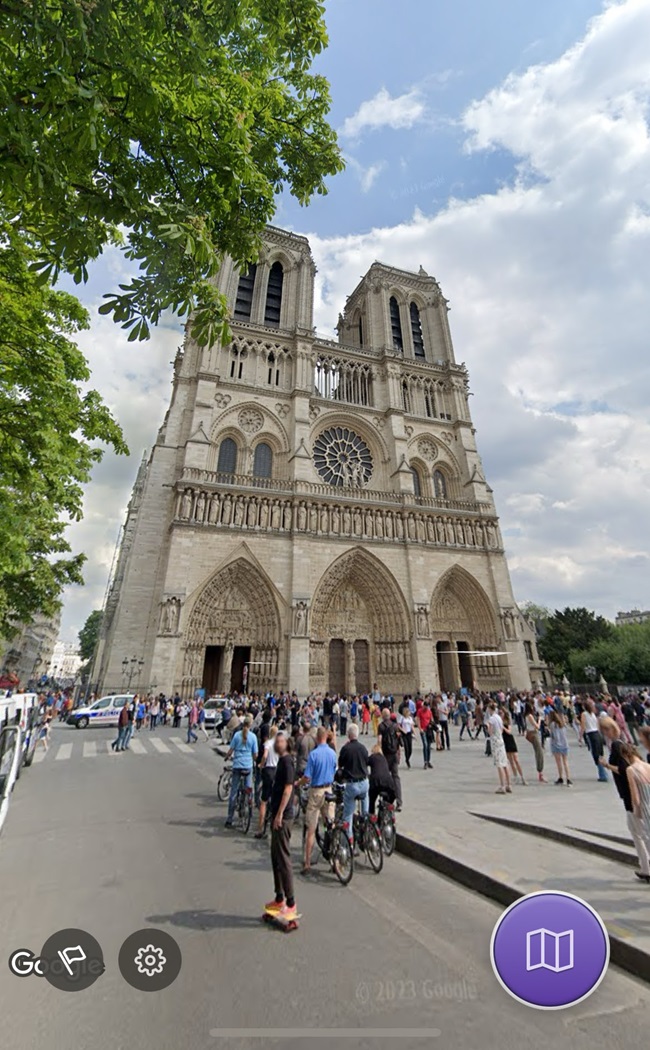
{"x": 499, "y": 757}
{"x": 510, "y": 744}
{"x": 638, "y": 775}
{"x": 532, "y": 736}
{"x": 560, "y": 746}
{"x": 593, "y": 737}
{"x": 405, "y": 722}
{"x": 365, "y": 717}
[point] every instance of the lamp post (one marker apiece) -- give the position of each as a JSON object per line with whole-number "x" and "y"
{"x": 130, "y": 668}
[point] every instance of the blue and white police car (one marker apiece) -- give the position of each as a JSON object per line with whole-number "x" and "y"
{"x": 103, "y": 712}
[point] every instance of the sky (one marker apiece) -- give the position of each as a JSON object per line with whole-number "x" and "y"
{"x": 505, "y": 148}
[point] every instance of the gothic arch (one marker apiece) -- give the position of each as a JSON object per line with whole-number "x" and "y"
{"x": 375, "y": 586}
{"x": 237, "y": 604}
{"x": 460, "y": 607}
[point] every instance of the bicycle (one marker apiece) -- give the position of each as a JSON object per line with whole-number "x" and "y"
{"x": 333, "y": 840}
{"x": 367, "y": 838}
{"x": 224, "y": 784}
{"x": 386, "y": 824}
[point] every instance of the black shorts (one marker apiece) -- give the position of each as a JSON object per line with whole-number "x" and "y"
{"x": 268, "y": 776}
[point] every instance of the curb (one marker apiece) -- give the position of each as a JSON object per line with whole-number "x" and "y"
{"x": 564, "y": 838}
{"x": 633, "y": 960}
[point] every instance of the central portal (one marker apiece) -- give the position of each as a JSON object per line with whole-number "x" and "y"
{"x": 240, "y": 660}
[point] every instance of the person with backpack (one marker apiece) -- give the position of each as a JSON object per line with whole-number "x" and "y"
{"x": 354, "y": 710}
{"x": 389, "y": 740}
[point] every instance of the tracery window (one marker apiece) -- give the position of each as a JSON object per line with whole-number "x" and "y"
{"x": 342, "y": 458}
{"x": 263, "y": 461}
{"x": 439, "y": 484}
{"x": 227, "y": 462}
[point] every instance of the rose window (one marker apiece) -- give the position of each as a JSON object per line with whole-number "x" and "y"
{"x": 342, "y": 458}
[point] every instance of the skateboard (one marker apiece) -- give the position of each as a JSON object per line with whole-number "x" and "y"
{"x": 281, "y": 924}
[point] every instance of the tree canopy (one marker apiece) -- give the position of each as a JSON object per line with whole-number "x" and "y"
{"x": 89, "y": 635}
{"x": 50, "y": 425}
{"x": 165, "y": 126}
{"x": 572, "y": 629}
{"x": 622, "y": 658}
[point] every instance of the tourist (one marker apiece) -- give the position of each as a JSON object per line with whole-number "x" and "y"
{"x": 463, "y": 714}
{"x": 618, "y": 765}
{"x": 122, "y": 727}
{"x": 343, "y": 716}
{"x": 381, "y": 781}
{"x": 267, "y": 766}
{"x": 560, "y": 746}
{"x": 510, "y": 744}
{"x": 192, "y": 722}
{"x": 243, "y": 751}
{"x": 638, "y": 777}
{"x": 615, "y": 711}
{"x": 499, "y": 757}
{"x": 319, "y": 774}
{"x": 593, "y": 737}
{"x": 389, "y": 740}
{"x": 531, "y": 722}
{"x": 365, "y": 716}
{"x": 644, "y": 733}
{"x": 353, "y": 771}
{"x": 154, "y": 711}
{"x": 443, "y": 706}
{"x": 406, "y": 725}
{"x": 424, "y": 717}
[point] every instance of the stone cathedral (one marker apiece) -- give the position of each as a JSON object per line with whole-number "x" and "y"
{"x": 314, "y": 513}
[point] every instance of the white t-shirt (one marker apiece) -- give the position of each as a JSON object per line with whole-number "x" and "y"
{"x": 406, "y": 724}
{"x": 591, "y": 722}
{"x": 496, "y": 725}
{"x": 270, "y": 755}
{"x": 443, "y": 710}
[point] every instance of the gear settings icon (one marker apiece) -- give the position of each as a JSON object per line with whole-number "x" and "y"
{"x": 150, "y": 960}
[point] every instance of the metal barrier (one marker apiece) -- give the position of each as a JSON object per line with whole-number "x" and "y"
{"x": 10, "y": 760}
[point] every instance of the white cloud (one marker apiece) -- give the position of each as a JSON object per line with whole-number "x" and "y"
{"x": 367, "y": 175}
{"x": 384, "y": 111}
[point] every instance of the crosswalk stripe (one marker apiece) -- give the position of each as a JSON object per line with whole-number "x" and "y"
{"x": 64, "y": 752}
{"x": 159, "y": 746}
{"x": 108, "y": 744}
{"x": 138, "y": 747}
{"x": 90, "y": 749}
{"x": 179, "y": 743}
{"x": 39, "y": 756}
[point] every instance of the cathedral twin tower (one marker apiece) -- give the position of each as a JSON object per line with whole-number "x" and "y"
{"x": 314, "y": 514}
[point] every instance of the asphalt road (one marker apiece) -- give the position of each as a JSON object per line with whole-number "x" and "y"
{"x": 114, "y": 843}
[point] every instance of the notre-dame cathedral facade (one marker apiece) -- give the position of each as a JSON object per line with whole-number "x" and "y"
{"x": 314, "y": 514}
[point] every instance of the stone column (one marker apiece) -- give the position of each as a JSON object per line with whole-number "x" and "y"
{"x": 350, "y": 669}
{"x": 298, "y": 678}
{"x": 225, "y": 671}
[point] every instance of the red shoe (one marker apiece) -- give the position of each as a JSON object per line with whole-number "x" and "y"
{"x": 273, "y": 908}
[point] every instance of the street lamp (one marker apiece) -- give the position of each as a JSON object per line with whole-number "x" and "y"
{"x": 130, "y": 668}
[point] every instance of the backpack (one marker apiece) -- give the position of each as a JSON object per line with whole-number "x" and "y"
{"x": 389, "y": 739}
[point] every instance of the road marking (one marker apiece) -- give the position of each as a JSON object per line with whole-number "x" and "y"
{"x": 159, "y": 746}
{"x": 64, "y": 752}
{"x": 39, "y": 756}
{"x": 138, "y": 747}
{"x": 324, "y": 1033}
{"x": 108, "y": 744}
{"x": 179, "y": 743}
{"x": 90, "y": 749}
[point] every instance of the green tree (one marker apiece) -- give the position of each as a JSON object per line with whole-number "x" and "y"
{"x": 623, "y": 658}
{"x": 533, "y": 611}
{"x": 89, "y": 635}
{"x": 165, "y": 126}
{"x": 572, "y": 629}
{"x": 50, "y": 427}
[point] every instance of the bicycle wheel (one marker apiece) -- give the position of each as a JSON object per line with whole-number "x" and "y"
{"x": 342, "y": 858}
{"x": 245, "y": 810}
{"x": 373, "y": 847}
{"x": 223, "y": 786}
{"x": 388, "y": 833}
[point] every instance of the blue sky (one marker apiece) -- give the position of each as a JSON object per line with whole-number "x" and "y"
{"x": 505, "y": 147}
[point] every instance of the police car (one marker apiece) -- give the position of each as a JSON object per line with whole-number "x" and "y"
{"x": 104, "y": 712}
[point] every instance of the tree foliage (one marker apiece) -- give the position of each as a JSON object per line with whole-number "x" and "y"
{"x": 50, "y": 427}
{"x": 622, "y": 658}
{"x": 535, "y": 612}
{"x": 89, "y": 635}
{"x": 166, "y": 126}
{"x": 572, "y": 629}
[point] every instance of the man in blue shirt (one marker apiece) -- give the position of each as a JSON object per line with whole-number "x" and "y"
{"x": 319, "y": 774}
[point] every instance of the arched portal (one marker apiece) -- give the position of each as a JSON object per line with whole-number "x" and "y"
{"x": 360, "y": 628}
{"x": 462, "y": 623}
{"x": 233, "y": 635}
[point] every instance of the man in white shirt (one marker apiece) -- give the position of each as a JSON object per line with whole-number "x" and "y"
{"x": 443, "y": 718}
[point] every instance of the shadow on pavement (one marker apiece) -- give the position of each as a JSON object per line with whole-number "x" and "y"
{"x": 204, "y": 920}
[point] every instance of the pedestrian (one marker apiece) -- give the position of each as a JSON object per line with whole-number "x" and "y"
{"x": 406, "y": 724}
{"x": 463, "y": 714}
{"x": 122, "y": 727}
{"x": 593, "y": 737}
{"x": 424, "y": 717}
{"x": 283, "y": 905}
{"x": 44, "y": 731}
{"x": 638, "y": 778}
{"x": 532, "y": 736}
{"x": 389, "y": 740}
{"x": 319, "y": 774}
{"x": 267, "y": 766}
{"x": 140, "y": 713}
{"x": 443, "y": 721}
{"x": 154, "y": 712}
{"x": 560, "y": 746}
{"x": 192, "y": 722}
{"x": 499, "y": 757}
{"x": 512, "y": 751}
{"x": 130, "y": 725}
{"x": 365, "y": 717}
{"x": 343, "y": 716}
{"x": 201, "y": 721}
{"x": 243, "y": 751}
{"x": 353, "y": 771}
{"x": 618, "y": 764}
{"x": 380, "y": 781}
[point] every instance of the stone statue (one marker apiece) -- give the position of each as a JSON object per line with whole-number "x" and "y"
{"x": 324, "y": 522}
{"x": 379, "y": 525}
{"x": 420, "y": 528}
{"x": 264, "y": 514}
{"x": 251, "y": 516}
{"x": 399, "y": 526}
{"x": 288, "y": 516}
{"x": 431, "y": 530}
{"x": 300, "y": 619}
{"x": 226, "y": 513}
{"x": 411, "y": 527}
{"x": 313, "y": 517}
{"x": 336, "y": 520}
{"x": 239, "y": 511}
{"x": 186, "y": 504}
{"x": 450, "y": 531}
{"x": 199, "y": 513}
{"x": 440, "y": 530}
{"x": 460, "y": 535}
{"x": 347, "y": 521}
{"x": 357, "y": 523}
{"x": 302, "y": 517}
{"x": 276, "y": 515}
{"x": 389, "y": 527}
{"x": 422, "y": 622}
{"x": 215, "y": 507}
{"x": 369, "y": 525}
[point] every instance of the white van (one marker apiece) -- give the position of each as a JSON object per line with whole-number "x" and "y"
{"x": 23, "y": 710}
{"x": 103, "y": 712}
